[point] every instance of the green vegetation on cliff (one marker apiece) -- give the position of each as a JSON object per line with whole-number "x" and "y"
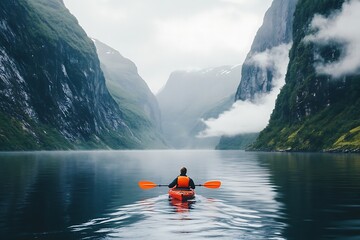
{"x": 51, "y": 21}
{"x": 241, "y": 141}
{"x": 15, "y": 136}
{"x": 52, "y": 90}
{"x": 313, "y": 112}
{"x": 137, "y": 103}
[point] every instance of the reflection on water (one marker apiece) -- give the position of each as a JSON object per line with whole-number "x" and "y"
{"x": 94, "y": 195}
{"x": 204, "y": 218}
{"x": 320, "y": 192}
{"x": 181, "y": 206}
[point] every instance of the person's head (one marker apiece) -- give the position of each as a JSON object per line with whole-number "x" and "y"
{"x": 183, "y": 171}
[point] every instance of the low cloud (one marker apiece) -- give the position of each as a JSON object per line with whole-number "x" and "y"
{"x": 243, "y": 117}
{"x": 251, "y": 117}
{"x": 276, "y": 59}
{"x": 339, "y": 28}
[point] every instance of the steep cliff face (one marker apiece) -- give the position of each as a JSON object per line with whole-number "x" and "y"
{"x": 264, "y": 68}
{"x": 139, "y": 106}
{"x": 52, "y": 90}
{"x": 187, "y": 96}
{"x": 275, "y": 31}
{"x": 315, "y": 110}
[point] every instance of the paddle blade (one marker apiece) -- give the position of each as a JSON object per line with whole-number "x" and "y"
{"x": 212, "y": 184}
{"x": 146, "y": 185}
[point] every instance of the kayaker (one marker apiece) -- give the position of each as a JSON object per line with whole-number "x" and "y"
{"x": 182, "y": 181}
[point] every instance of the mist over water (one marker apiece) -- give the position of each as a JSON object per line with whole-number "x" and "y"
{"x": 94, "y": 195}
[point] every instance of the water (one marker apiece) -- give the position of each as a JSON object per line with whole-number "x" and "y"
{"x": 94, "y": 195}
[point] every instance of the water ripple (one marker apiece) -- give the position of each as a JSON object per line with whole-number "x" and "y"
{"x": 202, "y": 218}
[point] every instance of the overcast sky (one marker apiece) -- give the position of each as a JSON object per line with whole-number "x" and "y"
{"x": 161, "y": 36}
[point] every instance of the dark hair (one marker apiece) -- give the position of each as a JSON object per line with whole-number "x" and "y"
{"x": 183, "y": 171}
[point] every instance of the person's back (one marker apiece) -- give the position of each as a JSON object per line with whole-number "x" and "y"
{"x": 182, "y": 181}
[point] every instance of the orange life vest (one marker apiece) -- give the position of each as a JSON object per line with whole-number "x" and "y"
{"x": 183, "y": 182}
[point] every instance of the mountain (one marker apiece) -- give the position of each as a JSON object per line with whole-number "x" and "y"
{"x": 241, "y": 141}
{"x": 276, "y": 30}
{"x": 52, "y": 90}
{"x": 139, "y": 105}
{"x": 316, "y": 110}
{"x": 197, "y": 140}
{"x": 265, "y": 65}
{"x": 188, "y": 96}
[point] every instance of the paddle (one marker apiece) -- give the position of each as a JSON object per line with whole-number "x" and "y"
{"x": 148, "y": 185}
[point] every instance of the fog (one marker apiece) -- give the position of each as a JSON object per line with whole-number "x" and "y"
{"x": 341, "y": 28}
{"x": 251, "y": 117}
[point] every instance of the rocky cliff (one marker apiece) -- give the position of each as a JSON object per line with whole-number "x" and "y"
{"x": 188, "y": 96}
{"x": 52, "y": 90}
{"x": 265, "y": 65}
{"x": 317, "y": 110}
{"x": 275, "y": 31}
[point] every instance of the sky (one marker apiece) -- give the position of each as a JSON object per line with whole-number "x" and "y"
{"x": 162, "y": 36}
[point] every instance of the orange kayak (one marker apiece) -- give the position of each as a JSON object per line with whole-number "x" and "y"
{"x": 181, "y": 194}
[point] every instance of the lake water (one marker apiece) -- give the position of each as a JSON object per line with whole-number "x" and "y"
{"x": 94, "y": 195}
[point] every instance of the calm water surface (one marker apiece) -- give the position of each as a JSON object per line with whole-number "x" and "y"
{"x": 94, "y": 195}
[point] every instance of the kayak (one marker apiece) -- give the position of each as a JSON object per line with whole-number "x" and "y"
{"x": 181, "y": 193}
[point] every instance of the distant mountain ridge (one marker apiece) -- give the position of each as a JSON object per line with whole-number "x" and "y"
{"x": 187, "y": 96}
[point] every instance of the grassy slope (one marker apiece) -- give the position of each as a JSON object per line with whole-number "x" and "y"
{"x": 15, "y": 135}
{"x": 132, "y": 95}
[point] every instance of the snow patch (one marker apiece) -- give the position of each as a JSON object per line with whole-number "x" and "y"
{"x": 207, "y": 70}
{"x": 63, "y": 68}
{"x": 225, "y": 72}
{"x": 15, "y": 84}
{"x": 4, "y": 60}
{"x": 3, "y": 25}
{"x": 235, "y": 66}
{"x": 67, "y": 90}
